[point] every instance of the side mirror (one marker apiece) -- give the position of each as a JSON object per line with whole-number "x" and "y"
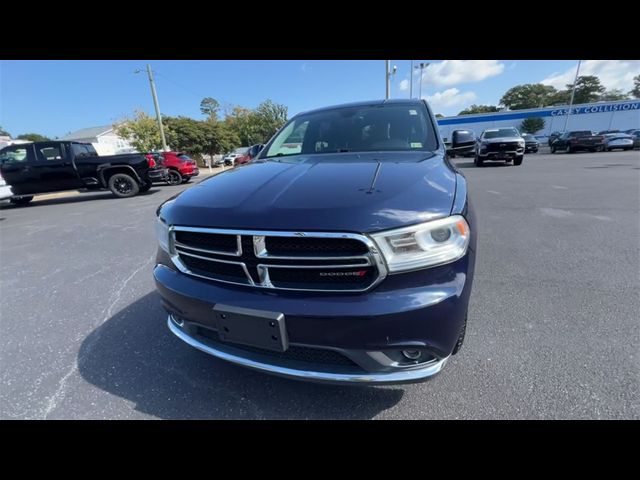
{"x": 255, "y": 150}
{"x": 462, "y": 139}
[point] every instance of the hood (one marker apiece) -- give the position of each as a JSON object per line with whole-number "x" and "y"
{"x": 342, "y": 192}
{"x": 502, "y": 139}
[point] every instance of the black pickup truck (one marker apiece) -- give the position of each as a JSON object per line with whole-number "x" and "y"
{"x": 53, "y": 166}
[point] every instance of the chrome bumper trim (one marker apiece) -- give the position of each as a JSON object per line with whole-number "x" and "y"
{"x": 404, "y": 376}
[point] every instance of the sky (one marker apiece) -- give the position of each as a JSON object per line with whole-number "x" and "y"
{"x": 54, "y": 98}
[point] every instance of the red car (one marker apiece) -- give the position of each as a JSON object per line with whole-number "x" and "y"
{"x": 249, "y": 155}
{"x": 181, "y": 167}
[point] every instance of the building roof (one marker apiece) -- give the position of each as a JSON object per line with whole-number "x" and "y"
{"x": 88, "y": 132}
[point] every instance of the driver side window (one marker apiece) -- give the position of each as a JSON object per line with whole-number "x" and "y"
{"x": 15, "y": 154}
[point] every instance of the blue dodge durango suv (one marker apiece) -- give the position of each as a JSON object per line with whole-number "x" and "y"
{"x": 343, "y": 253}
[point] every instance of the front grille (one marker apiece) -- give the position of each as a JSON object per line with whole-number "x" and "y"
{"x": 296, "y": 261}
{"x": 286, "y": 246}
{"x": 220, "y": 270}
{"x": 338, "y": 278}
{"x": 293, "y": 353}
{"x": 216, "y": 242}
{"x": 502, "y": 146}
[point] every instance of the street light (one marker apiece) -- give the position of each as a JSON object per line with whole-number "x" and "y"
{"x": 422, "y": 66}
{"x": 573, "y": 92}
{"x": 157, "y": 106}
{"x": 388, "y": 74}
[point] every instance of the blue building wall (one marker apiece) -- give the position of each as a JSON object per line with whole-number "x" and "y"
{"x": 621, "y": 115}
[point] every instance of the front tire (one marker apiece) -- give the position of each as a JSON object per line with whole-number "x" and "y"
{"x": 21, "y": 200}
{"x": 123, "y": 185}
{"x": 478, "y": 161}
{"x": 518, "y": 160}
{"x": 553, "y": 149}
{"x": 174, "y": 178}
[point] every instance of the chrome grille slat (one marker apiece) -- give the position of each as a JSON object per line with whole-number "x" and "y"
{"x": 260, "y": 261}
{"x": 237, "y": 253}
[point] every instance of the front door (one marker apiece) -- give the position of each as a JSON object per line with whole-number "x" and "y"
{"x": 55, "y": 169}
{"x": 18, "y": 168}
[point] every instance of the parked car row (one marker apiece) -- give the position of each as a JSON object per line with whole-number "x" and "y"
{"x": 53, "y": 166}
{"x": 180, "y": 167}
{"x": 28, "y": 169}
{"x": 606, "y": 140}
{"x": 241, "y": 155}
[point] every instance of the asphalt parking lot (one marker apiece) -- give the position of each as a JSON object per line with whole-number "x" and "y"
{"x": 553, "y": 323}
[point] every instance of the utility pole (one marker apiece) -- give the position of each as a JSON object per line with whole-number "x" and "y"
{"x": 411, "y": 81}
{"x": 422, "y": 66}
{"x": 157, "y": 107}
{"x": 573, "y": 92}
{"x": 388, "y": 78}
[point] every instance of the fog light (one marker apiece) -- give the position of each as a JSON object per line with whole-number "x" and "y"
{"x": 412, "y": 354}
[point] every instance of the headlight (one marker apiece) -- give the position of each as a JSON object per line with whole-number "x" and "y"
{"x": 162, "y": 232}
{"x": 424, "y": 245}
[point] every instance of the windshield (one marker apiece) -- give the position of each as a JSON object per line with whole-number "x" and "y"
{"x": 528, "y": 137}
{"x": 388, "y": 127}
{"x": 501, "y": 132}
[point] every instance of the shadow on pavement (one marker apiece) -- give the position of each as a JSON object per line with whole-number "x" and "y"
{"x": 80, "y": 197}
{"x": 133, "y": 355}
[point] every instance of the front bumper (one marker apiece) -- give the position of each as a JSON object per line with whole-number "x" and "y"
{"x": 158, "y": 174}
{"x": 191, "y": 173}
{"x": 501, "y": 155}
{"x": 423, "y": 310}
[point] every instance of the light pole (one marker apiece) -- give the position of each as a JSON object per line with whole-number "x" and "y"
{"x": 422, "y": 66}
{"x": 411, "y": 80}
{"x": 157, "y": 107}
{"x": 573, "y": 92}
{"x": 388, "y": 74}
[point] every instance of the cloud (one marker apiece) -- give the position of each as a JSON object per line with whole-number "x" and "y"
{"x": 404, "y": 85}
{"x": 449, "y": 98}
{"x": 612, "y": 74}
{"x": 453, "y": 72}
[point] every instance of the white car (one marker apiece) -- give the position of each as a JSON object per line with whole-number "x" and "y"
{"x": 5, "y": 190}
{"x": 229, "y": 158}
{"x": 618, "y": 140}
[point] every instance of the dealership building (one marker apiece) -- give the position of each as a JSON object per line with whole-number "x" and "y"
{"x": 620, "y": 115}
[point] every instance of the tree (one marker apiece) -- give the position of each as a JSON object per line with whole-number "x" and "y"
{"x": 4, "y": 133}
{"x": 613, "y": 95}
{"x": 479, "y": 109}
{"x": 186, "y": 134}
{"x": 242, "y": 122}
{"x": 210, "y": 107}
{"x": 560, "y": 97}
{"x": 635, "y": 91}
{"x": 439, "y": 115}
{"x": 588, "y": 89}
{"x": 270, "y": 117}
{"x": 142, "y": 132}
{"x": 33, "y": 137}
{"x": 532, "y": 125}
{"x": 530, "y": 95}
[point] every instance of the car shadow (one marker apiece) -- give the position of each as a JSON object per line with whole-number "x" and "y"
{"x": 134, "y": 355}
{"x": 79, "y": 197}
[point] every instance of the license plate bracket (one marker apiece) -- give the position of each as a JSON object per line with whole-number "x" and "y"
{"x": 247, "y": 326}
